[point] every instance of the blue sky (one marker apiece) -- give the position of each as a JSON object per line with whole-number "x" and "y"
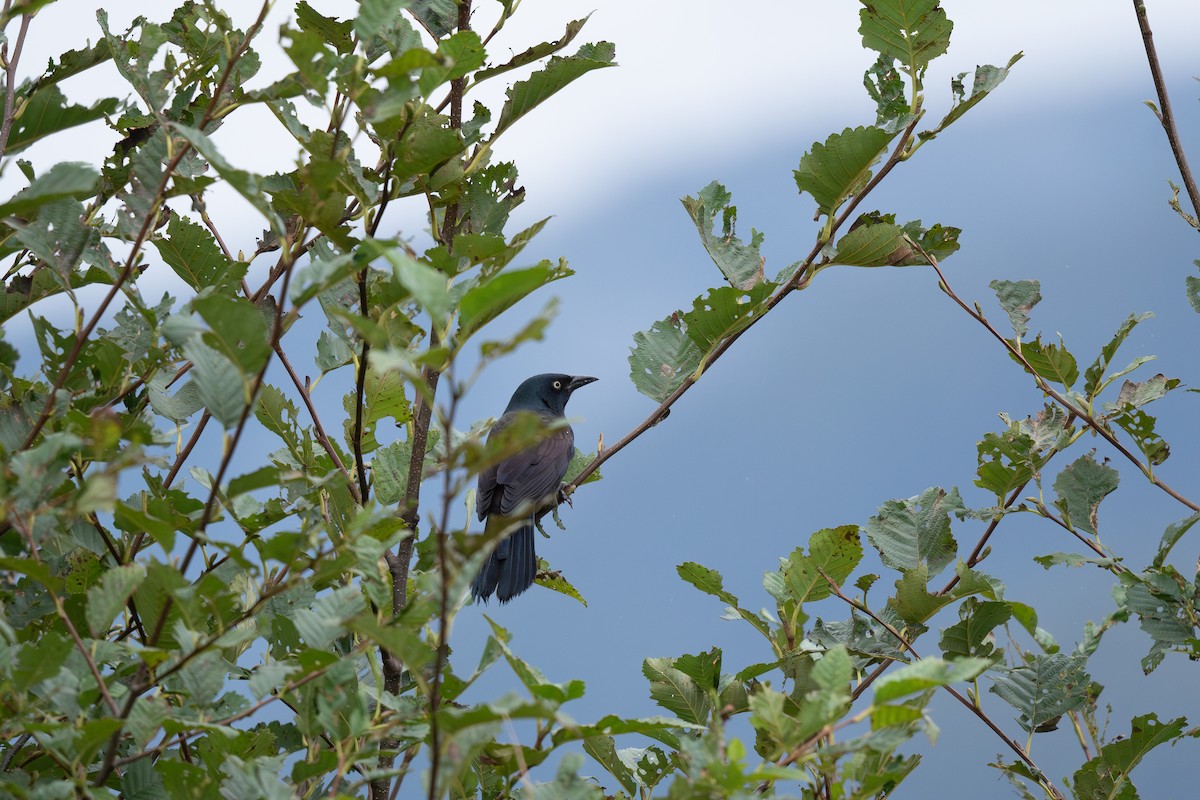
{"x": 868, "y": 386}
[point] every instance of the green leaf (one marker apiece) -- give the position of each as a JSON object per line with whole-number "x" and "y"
{"x": 23, "y": 291}
{"x": 65, "y": 179}
{"x": 710, "y": 582}
{"x": 106, "y": 599}
{"x": 723, "y": 312}
{"x": 46, "y": 111}
{"x": 1140, "y": 425}
{"x": 1080, "y": 487}
{"x": 1072, "y": 560}
{"x": 914, "y": 532}
{"x": 383, "y": 398}
{"x": 333, "y": 32}
{"x": 984, "y": 81}
{"x": 1046, "y": 688}
{"x": 1051, "y": 361}
{"x": 376, "y": 16}
{"x": 663, "y": 358}
{"x": 1172, "y": 535}
{"x": 555, "y": 582}
{"x": 675, "y": 691}
{"x": 971, "y": 635}
{"x": 928, "y": 673}
{"x": 878, "y": 245}
{"x": 535, "y": 53}
{"x": 1166, "y": 607}
{"x": 914, "y": 603}
{"x": 458, "y": 55}
{"x": 524, "y": 96}
{"x": 485, "y": 301}
{"x": 237, "y": 329}
{"x": 913, "y": 32}
{"x": 886, "y": 88}
{"x": 839, "y": 168}
{"x": 832, "y": 551}
{"x": 192, "y": 252}
{"x": 1135, "y": 395}
{"x": 1018, "y": 298}
{"x": 531, "y": 676}
{"x": 1095, "y": 381}
{"x": 219, "y": 383}
{"x": 741, "y": 264}
{"x": 430, "y": 287}
{"x": 325, "y": 620}
{"x": 1107, "y": 775}
{"x": 1192, "y": 289}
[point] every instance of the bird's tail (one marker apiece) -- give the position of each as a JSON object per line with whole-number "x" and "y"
{"x": 511, "y": 567}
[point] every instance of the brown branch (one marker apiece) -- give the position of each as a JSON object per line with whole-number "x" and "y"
{"x": 318, "y": 428}
{"x": 1081, "y": 413}
{"x": 10, "y": 79}
{"x": 1164, "y": 113}
{"x": 798, "y": 281}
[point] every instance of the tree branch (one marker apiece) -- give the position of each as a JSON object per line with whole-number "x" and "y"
{"x": 1164, "y": 113}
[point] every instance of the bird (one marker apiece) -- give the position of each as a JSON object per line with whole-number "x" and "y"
{"x": 517, "y": 491}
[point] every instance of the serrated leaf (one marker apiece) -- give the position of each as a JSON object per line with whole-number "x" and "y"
{"x": 1140, "y": 425}
{"x": 65, "y": 179}
{"x": 662, "y": 358}
{"x": 383, "y": 398}
{"x": 524, "y": 96}
{"x": 1047, "y": 687}
{"x": 192, "y": 252}
{"x": 740, "y": 263}
{"x": 913, "y": 32}
{"x": 1072, "y": 560}
{"x": 928, "y": 673}
{"x": 1051, "y": 361}
{"x": 555, "y": 582}
{"x": 970, "y": 636}
{"x": 914, "y": 532}
{"x": 838, "y": 168}
{"x": 1094, "y": 378}
{"x": 1107, "y": 774}
{"x": 832, "y": 551}
{"x": 219, "y": 382}
{"x": 1135, "y": 395}
{"x": 485, "y": 301}
{"x": 430, "y": 287}
{"x": 1018, "y": 298}
{"x": 877, "y": 245}
{"x": 237, "y": 328}
{"x": 675, "y": 691}
{"x": 1080, "y": 487}
{"x": 985, "y": 80}
{"x": 106, "y": 599}
{"x": 46, "y": 111}
{"x": 1173, "y": 534}
{"x": 723, "y": 312}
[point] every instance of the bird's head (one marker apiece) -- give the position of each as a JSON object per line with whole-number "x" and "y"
{"x": 548, "y": 392}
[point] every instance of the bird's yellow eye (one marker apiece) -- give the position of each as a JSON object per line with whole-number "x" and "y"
{"x": 558, "y": 384}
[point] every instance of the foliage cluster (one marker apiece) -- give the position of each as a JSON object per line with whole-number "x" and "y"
{"x": 276, "y": 626}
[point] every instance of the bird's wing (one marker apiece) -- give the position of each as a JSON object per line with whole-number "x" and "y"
{"x": 532, "y": 474}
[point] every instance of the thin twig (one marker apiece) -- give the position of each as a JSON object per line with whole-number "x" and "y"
{"x": 1045, "y": 386}
{"x": 1164, "y": 113}
{"x": 318, "y": 428}
{"x": 972, "y": 707}
{"x": 10, "y": 79}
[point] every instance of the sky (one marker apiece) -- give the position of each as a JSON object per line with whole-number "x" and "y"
{"x": 868, "y": 386}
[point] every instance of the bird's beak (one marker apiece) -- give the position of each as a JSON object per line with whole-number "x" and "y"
{"x": 580, "y": 380}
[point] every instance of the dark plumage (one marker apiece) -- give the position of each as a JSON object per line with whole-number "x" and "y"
{"x": 524, "y": 486}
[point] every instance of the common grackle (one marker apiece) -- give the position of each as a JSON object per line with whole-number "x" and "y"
{"x": 523, "y": 487}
